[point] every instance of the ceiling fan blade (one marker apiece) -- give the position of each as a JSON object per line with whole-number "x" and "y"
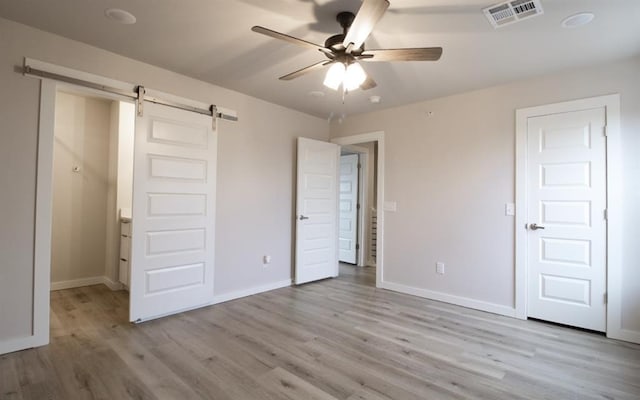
{"x": 290, "y": 39}
{"x": 369, "y": 83}
{"x": 368, "y": 16}
{"x": 304, "y": 70}
{"x": 416, "y": 54}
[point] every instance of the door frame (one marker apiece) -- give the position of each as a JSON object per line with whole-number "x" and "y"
{"x": 611, "y": 104}
{"x": 378, "y": 137}
{"x": 44, "y": 198}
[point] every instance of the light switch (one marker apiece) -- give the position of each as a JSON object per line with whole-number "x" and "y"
{"x": 390, "y": 206}
{"x": 509, "y": 209}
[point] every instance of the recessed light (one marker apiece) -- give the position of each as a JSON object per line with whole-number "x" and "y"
{"x": 120, "y": 16}
{"x": 375, "y": 99}
{"x": 316, "y": 93}
{"x": 576, "y": 20}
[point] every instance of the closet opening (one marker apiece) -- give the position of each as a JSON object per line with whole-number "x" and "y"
{"x": 92, "y": 183}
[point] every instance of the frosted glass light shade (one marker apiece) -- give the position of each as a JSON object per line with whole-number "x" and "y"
{"x": 354, "y": 77}
{"x": 335, "y": 76}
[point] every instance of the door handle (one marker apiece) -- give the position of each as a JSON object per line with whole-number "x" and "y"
{"x": 535, "y": 227}
{"x": 302, "y": 217}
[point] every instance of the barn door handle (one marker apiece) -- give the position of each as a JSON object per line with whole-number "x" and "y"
{"x": 535, "y": 227}
{"x": 302, "y": 217}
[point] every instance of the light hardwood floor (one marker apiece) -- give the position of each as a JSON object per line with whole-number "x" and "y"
{"x": 335, "y": 339}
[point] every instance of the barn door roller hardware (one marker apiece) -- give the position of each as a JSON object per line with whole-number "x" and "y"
{"x": 139, "y": 93}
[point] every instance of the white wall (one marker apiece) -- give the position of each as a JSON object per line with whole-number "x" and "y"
{"x": 255, "y": 168}
{"x": 126, "y": 127}
{"x": 78, "y": 238}
{"x": 452, "y": 172}
{"x": 112, "y": 248}
{"x": 120, "y": 180}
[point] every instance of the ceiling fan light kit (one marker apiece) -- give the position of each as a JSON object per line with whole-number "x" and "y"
{"x": 335, "y": 76}
{"x": 354, "y": 77}
{"x": 350, "y": 76}
{"x": 345, "y": 51}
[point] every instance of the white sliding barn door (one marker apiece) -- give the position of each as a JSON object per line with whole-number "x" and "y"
{"x": 348, "y": 209}
{"x": 173, "y": 212}
{"x": 567, "y": 223}
{"x": 317, "y": 211}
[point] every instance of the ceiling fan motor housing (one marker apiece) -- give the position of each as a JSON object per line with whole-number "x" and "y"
{"x": 345, "y": 19}
{"x": 336, "y": 42}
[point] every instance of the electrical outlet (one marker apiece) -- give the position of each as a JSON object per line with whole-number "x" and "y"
{"x": 266, "y": 260}
{"x": 440, "y": 268}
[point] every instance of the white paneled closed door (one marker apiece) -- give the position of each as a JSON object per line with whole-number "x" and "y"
{"x": 173, "y": 212}
{"x": 316, "y": 211}
{"x": 567, "y": 220}
{"x": 348, "y": 240}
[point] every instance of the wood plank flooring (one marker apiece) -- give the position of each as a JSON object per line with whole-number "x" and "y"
{"x": 335, "y": 339}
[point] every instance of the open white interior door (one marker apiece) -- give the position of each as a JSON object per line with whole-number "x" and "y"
{"x": 348, "y": 242}
{"x": 173, "y": 212}
{"x": 317, "y": 211}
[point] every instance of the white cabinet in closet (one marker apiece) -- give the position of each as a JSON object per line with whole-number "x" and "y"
{"x": 125, "y": 252}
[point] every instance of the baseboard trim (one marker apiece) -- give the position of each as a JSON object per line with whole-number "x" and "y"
{"x": 221, "y": 298}
{"x": 624, "y": 334}
{"x": 113, "y": 285}
{"x": 451, "y": 299}
{"x": 92, "y": 280}
{"x": 17, "y": 344}
{"x": 74, "y": 283}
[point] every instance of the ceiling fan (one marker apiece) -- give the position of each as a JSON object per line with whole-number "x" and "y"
{"x": 345, "y": 51}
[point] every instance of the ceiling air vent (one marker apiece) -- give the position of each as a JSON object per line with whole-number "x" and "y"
{"x": 512, "y": 11}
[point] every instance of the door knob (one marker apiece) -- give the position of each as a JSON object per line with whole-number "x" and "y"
{"x": 302, "y": 217}
{"x": 535, "y": 227}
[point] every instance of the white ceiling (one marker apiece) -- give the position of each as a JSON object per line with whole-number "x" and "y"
{"x": 211, "y": 40}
